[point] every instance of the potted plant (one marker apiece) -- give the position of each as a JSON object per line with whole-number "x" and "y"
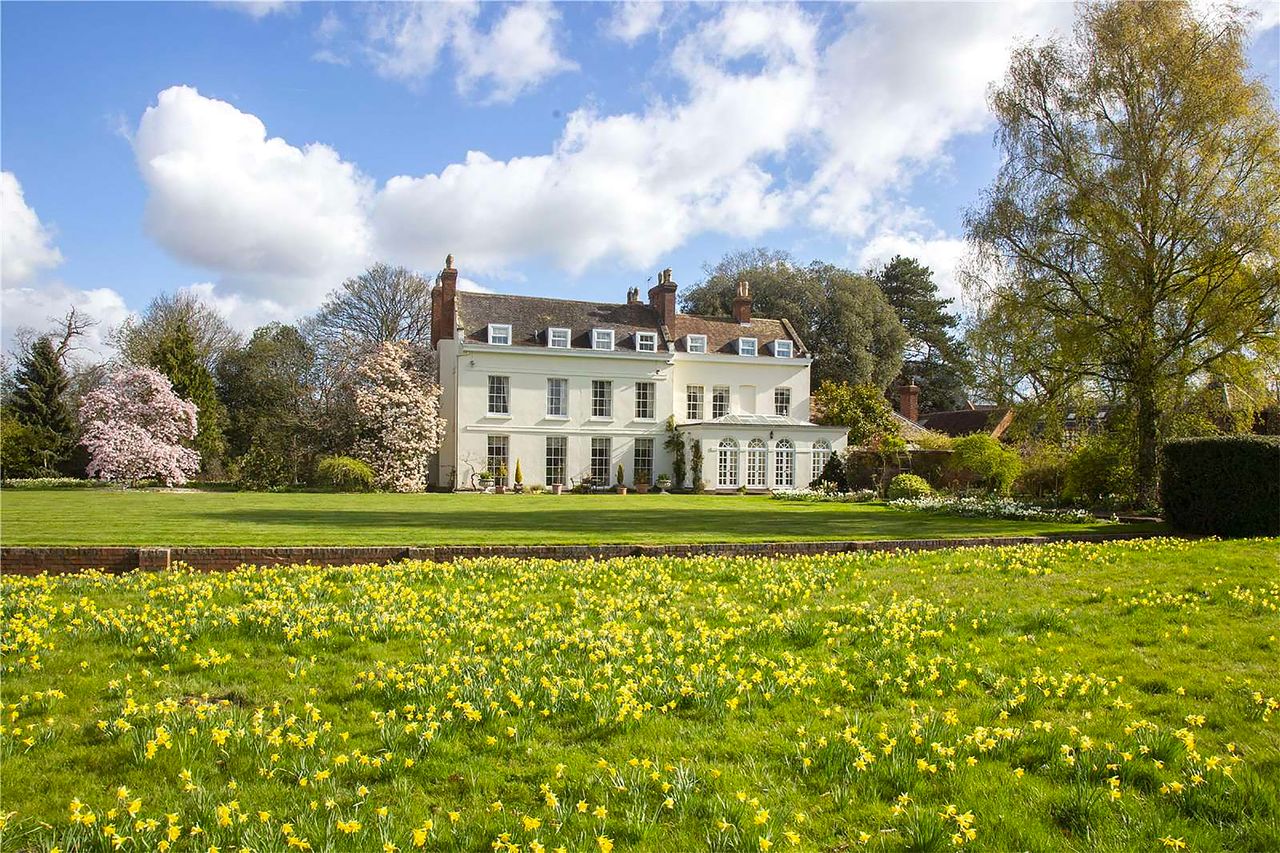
{"x": 486, "y": 480}
{"x": 622, "y": 490}
{"x": 664, "y": 483}
{"x": 500, "y": 487}
{"x": 584, "y": 485}
{"x": 519, "y": 479}
{"x": 642, "y": 484}
{"x": 557, "y": 488}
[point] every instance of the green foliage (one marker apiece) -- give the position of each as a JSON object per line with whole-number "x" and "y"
{"x": 1099, "y": 470}
{"x": 1044, "y": 470}
{"x": 981, "y": 461}
{"x": 1228, "y": 485}
{"x": 841, "y": 316}
{"x": 264, "y": 467}
{"x": 835, "y": 472}
{"x": 675, "y": 445}
{"x": 695, "y": 466}
{"x": 861, "y": 408}
{"x": 519, "y": 474}
{"x": 267, "y": 388}
{"x": 23, "y": 448}
{"x": 908, "y": 486}
{"x": 618, "y": 475}
{"x": 38, "y": 402}
{"x": 176, "y": 356}
{"x": 344, "y": 474}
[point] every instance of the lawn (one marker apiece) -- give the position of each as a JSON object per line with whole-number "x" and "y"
{"x": 1085, "y": 697}
{"x": 110, "y": 517}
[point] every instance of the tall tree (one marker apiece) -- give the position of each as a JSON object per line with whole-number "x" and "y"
{"x": 270, "y": 398}
{"x": 381, "y": 305}
{"x": 39, "y": 402}
{"x": 934, "y": 357}
{"x": 1135, "y": 220}
{"x": 842, "y": 317}
{"x": 136, "y": 427}
{"x": 175, "y": 355}
{"x": 139, "y": 337}
{"x": 400, "y": 422}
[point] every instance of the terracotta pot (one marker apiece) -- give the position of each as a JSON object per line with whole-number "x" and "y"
{"x": 642, "y": 488}
{"x": 500, "y": 489}
{"x": 622, "y": 490}
{"x": 557, "y": 488}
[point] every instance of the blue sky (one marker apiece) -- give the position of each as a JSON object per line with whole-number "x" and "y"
{"x": 262, "y": 152}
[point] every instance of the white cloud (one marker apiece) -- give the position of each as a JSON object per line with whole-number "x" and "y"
{"x": 635, "y": 19}
{"x": 942, "y": 254}
{"x": 405, "y": 41}
{"x": 282, "y": 222}
{"x": 26, "y": 245}
{"x": 259, "y": 9}
{"x": 39, "y": 307}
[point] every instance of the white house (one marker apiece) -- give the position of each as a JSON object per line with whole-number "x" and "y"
{"x": 572, "y": 389}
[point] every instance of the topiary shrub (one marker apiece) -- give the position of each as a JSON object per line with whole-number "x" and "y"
{"x": 980, "y": 461}
{"x": 344, "y": 474}
{"x": 1225, "y": 485}
{"x": 909, "y": 487}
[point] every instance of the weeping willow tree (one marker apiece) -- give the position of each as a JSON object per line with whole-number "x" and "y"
{"x": 1134, "y": 225}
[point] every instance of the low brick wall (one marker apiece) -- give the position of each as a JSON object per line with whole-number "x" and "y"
{"x": 116, "y": 560}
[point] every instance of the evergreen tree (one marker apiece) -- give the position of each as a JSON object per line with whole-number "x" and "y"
{"x": 39, "y": 403}
{"x": 934, "y": 358}
{"x": 177, "y": 357}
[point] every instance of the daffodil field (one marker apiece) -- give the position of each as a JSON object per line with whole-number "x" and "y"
{"x": 1118, "y": 696}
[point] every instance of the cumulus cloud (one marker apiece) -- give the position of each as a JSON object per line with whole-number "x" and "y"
{"x": 635, "y": 19}
{"x": 39, "y": 307}
{"x": 942, "y": 254}
{"x": 406, "y": 42}
{"x": 26, "y": 245}
{"x": 279, "y": 219}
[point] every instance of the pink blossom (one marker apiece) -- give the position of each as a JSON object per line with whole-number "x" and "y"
{"x": 137, "y": 428}
{"x": 399, "y": 416}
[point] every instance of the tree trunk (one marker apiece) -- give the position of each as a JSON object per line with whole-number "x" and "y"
{"x": 1145, "y": 472}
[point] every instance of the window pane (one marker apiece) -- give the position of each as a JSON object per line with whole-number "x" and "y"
{"x": 496, "y": 460}
{"x": 642, "y": 463}
{"x": 559, "y": 338}
{"x": 719, "y": 401}
{"x": 499, "y": 395}
{"x": 602, "y": 339}
{"x": 727, "y": 467}
{"x": 696, "y": 343}
{"x": 757, "y": 458}
{"x": 821, "y": 453}
{"x": 647, "y": 342}
{"x": 694, "y": 395}
{"x": 557, "y": 451}
{"x": 644, "y": 400}
{"x": 784, "y": 465}
{"x": 782, "y": 401}
{"x": 782, "y": 349}
{"x": 500, "y": 333}
{"x": 601, "y": 398}
{"x": 557, "y": 397}
{"x": 601, "y": 451}
{"x": 746, "y": 346}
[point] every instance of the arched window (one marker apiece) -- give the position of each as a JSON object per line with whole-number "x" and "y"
{"x": 784, "y": 464}
{"x": 728, "y": 464}
{"x": 821, "y": 453}
{"x": 757, "y": 463}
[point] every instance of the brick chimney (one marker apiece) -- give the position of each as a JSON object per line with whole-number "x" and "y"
{"x": 662, "y": 297}
{"x": 909, "y": 402}
{"x": 742, "y": 303}
{"x": 444, "y": 304}
{"x": 633, "y": 296}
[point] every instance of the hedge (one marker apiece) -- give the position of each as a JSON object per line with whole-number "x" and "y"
{"x": 1225, "y": 485}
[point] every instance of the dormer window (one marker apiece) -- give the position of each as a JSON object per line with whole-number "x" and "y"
{"x": 747, "y": 346}
{"x": 558, "y": 338}
{"x": 646, "y": 342}
{"x": 602, "y": 339}
{"x": 695, "y": 343}
{"x": 500, "y": 334}
{"x": 782, "y": 349}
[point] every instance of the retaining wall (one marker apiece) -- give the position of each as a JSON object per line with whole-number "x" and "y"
{"x": 115, "y": 560}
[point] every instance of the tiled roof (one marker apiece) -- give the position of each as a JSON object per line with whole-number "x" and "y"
{"x": 966, "y": 421}
{"x": 531, "y": 316}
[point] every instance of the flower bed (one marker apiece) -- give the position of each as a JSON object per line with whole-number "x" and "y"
{"x": 56, "y": 483}
{"x": 824, "y": 496}
{"x": 991, "y": 507}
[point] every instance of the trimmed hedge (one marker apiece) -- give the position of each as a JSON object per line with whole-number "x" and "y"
{"x": 908, "y": 487}
{"x": 1225, "y": 485}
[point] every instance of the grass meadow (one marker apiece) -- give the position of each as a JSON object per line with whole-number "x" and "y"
{"x": 142, "y": 517}
{"x": 1091, "y": 697}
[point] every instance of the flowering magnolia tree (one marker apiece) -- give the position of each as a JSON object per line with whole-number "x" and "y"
{"x": 398, "y": 410}
{"x": 135, "y": 428}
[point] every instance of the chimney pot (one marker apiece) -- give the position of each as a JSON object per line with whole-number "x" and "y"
{"x": 742, "y": 303}
{"x": 662, "y": 297}
{"x": 909, "y": 402}
{"x": 444, "y": 305}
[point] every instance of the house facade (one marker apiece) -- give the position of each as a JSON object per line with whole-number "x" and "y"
{"x": 574, "y": 389}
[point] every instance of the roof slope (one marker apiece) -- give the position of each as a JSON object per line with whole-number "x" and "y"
{"x": 988, "y": 419}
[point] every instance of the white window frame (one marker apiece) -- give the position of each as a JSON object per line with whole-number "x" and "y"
{"x": 496, "y": 329}
{"x": 782, "y": 402}
{"x": 557, "y": 331}
{"x": 720, "y": 396}
{"x": 601, "y": 475}
{"x": 642, "y": 460}
{"x": 727, "y": 464}
{"x": 784, "y": 464}
{"x": 694, "y": 402}
{"x": 503, "y": 458}
{"x": 505, "y": 385}
{"x": 745, "y": 344}
{"x": 650, "y": 396}
{"x": 602, "y": 412}
{"x": 646, "y": 341}
{"x": 561, "y": 400}
{"x": 821, "y": 453}
{"x": 757, "y": 463}
{"x": 782, "y": 349}
{"x": 695, "y": 343}
{"x": 600, "y": 335}
{"x": 555, "y": 463}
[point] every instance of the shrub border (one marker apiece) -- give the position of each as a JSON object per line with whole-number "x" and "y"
{"x": 25, "y": 560}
